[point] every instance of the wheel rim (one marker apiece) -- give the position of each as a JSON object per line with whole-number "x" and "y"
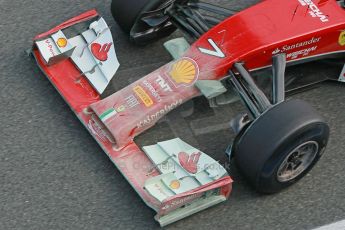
{"x": 297, "y": 161}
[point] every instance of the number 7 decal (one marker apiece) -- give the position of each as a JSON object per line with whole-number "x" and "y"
{"x": 217, "y": 52}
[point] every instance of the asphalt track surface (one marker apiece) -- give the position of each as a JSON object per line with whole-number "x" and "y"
{"x": 53, "y": 175}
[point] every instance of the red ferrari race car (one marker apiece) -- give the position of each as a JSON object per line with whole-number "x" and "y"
{"x": 225, "y": 56}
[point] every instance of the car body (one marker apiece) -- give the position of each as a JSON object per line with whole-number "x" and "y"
{"x": 80, "y": 68}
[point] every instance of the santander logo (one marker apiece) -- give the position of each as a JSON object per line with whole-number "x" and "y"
{"x": 189, "y": 162}
{"x": 101, "y": 51}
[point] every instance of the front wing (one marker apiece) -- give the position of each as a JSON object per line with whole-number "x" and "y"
{"x": 77, "y": 78}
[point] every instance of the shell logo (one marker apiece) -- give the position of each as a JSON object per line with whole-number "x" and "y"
{"x": 62, "y": 42}
{"x": 342, "y": 38}
{"x": 175, "y": 184}
{"x": 184, "y": 72}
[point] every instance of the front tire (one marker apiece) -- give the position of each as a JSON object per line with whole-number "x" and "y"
{"x": 281, "y": 146}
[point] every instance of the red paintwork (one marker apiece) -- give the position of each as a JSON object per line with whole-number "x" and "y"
{"x": 80, "y": 18}
{"x": 74, "y": 88}
{"x": 250, "y": 36}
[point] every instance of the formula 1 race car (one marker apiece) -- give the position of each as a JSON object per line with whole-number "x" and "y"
{"x": 225, "y": 56}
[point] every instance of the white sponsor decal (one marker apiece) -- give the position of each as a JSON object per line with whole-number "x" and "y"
{"x": 163, "y": 84}
{"x": 99, "y": 131}
{"x": 152, "y": 90}
{"x": 313, "y": 10}
{"x": 304, "y": 52}
{"x": 50, "y": 47}
{"x": 286, "y": 48}
{"x": 217, "y": 52}
{"x": 132, "y": 101}
{"x": 178, "y": 202}
{"x": 159, "y": 114}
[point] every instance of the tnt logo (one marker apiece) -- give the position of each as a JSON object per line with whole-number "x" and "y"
{"x": 101, "y": 51}
{"x": 162, "y": 83}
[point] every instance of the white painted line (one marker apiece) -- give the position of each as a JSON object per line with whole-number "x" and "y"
{"x": 335, "y": 226}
